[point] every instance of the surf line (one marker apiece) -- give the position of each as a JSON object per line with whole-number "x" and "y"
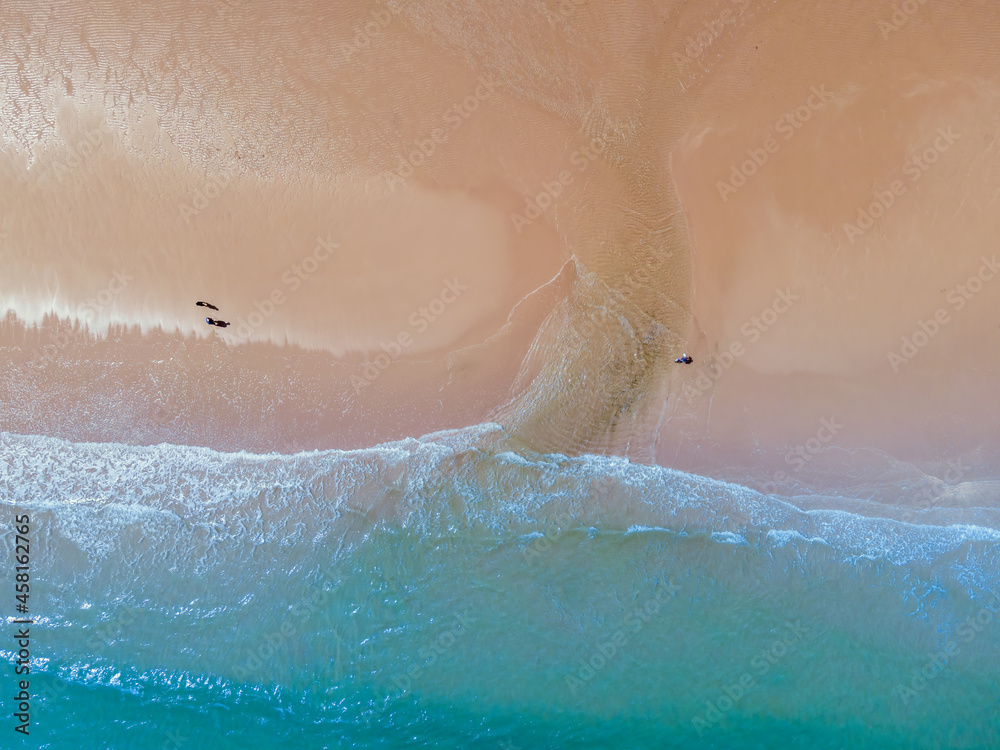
{"x": 761, "y": 663}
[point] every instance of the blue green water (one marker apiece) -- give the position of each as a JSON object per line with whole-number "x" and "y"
{"x": 432, "y": 594}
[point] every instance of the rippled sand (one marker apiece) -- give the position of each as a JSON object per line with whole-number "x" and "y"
{"x": 421, "y": 216}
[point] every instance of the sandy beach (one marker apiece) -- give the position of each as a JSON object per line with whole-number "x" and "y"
{"x": 591, "y": 374}
{"x": 411, "y": 228}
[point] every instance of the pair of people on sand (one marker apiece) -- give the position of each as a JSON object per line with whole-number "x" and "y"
{"x": 213, "y": 321}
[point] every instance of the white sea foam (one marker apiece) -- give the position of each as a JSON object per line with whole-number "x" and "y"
{"x": 97, "y": 491}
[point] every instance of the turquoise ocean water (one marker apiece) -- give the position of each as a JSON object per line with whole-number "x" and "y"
{"x": 431, "y": 594}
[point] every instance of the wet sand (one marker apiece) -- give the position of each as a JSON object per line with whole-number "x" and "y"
{"x": 416, "y": 222}
{"x": 843, "y": 220}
